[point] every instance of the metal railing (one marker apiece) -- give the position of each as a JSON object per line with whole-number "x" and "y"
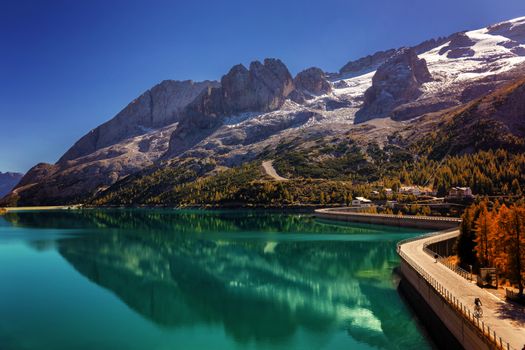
{"x": 460, "y": 271}
{"x": 424, "y": 236}
{"x": 457, "y": 269}
{"x": 455, "y": 303}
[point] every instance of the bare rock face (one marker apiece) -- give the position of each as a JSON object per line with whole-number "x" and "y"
{"x": 395, "y": 82}
{"x": 262, "y": 88}
{"x": 156, "y": 108}
{"x": 312, "y": 82}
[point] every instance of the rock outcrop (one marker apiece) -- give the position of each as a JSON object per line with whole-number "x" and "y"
{"x": 395, "y": 82}
{"x": 312, "y": 81}
{"x": 262, "y": 88}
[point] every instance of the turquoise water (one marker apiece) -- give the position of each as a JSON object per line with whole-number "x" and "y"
{"x": 165, "y": 279}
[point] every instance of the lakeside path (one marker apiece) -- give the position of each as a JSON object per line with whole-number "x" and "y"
{"x": 270, "y": 171}
{"x": 507, "y": 319}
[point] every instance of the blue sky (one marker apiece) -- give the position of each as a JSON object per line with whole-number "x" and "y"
{"x": 67, "y": 66}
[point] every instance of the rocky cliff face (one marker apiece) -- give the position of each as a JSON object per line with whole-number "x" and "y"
{"x": 262, "y": 88}
{"x": 156, "y": 108}
{"x": 312, "y": 82}
{"x": 395, "y": 82}
{"x": 8, "y": 181}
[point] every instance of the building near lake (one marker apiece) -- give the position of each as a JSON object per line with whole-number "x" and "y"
{"x": 416, "y": 190}
{"x": 460, "y": 192}
{"x": 361, "y": 202}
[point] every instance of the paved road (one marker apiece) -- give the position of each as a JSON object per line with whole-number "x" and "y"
{"x": 270, "y": 170}
{"x": 507, "y": 319}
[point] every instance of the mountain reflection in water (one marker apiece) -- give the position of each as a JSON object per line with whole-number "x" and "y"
{"x": 262, "y": 276}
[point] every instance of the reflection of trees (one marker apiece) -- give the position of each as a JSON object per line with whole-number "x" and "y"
{"x": 188, "y": 268}
{"x": 191, "y": 221}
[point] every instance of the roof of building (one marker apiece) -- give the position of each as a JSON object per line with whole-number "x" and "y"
{"x": 461, "y": 188}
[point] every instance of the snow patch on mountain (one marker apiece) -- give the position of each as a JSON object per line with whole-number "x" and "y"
{"x": 354, "y": 87}
{"x": 491, "y": 54}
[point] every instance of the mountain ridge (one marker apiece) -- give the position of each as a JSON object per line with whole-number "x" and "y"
{"x": 252, "y": 110}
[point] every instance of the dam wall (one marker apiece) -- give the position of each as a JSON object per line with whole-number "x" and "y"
{"x": 423, "y": 222}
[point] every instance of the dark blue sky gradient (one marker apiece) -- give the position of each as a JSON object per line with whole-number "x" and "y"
{"x": 67, "y": 66}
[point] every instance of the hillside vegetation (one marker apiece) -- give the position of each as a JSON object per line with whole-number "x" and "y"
{"x": 332, "y": 180}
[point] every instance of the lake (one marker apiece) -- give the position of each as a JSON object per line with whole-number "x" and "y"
{"x": 191, "y": 279}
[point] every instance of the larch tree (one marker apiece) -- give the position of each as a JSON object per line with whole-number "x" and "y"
{"x": 485, "y": 232}
{"x": 512, "y": 224}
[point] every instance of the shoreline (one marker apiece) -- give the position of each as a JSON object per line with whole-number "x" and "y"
{"x": 41, "y": 208}
{"x": 310, "y": 208}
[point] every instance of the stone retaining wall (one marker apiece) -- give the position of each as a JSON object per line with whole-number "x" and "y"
{"x": 463, "y": 331}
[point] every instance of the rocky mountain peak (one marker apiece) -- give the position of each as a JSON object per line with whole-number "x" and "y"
{"x": 262, "y": 88}
{"x": 312, "y": 81}
{"x": 395, "y": 82}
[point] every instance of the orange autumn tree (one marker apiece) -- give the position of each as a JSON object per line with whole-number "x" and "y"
{"x": 499, "y": 248}
{"x": 510, "y": 241}
{"x": 485, "y": 228}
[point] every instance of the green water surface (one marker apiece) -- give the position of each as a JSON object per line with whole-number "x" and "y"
{"x": 167, "y": 279}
